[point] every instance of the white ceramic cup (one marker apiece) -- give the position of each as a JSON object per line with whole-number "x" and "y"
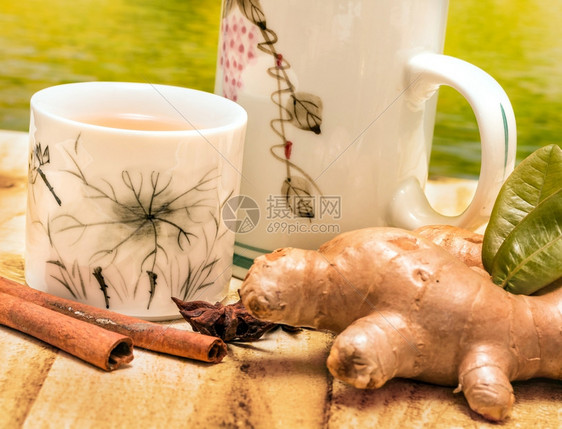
{"x": 126, "y": 186}
{"x": 341, "y": 98}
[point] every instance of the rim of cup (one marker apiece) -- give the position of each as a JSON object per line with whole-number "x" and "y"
{"x": 204, "y": 112}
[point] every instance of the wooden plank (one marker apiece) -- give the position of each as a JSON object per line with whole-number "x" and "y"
{"x": 24, "y": 366}
{"x": 277, "y": 380}
{"x": 13, "y": 181}
{"x": 411, "y": 404}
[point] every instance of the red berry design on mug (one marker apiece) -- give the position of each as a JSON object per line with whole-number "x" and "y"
{"x": 288, "y": 149}
{"x": 237, "y": 50}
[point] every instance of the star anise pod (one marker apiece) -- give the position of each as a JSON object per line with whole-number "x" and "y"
{"x": 228, "y": 322}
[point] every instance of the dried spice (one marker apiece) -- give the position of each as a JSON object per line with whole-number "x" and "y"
{"x": 228, "y": 322}
{"x": 147, "y": 335}
{"x": 105, "y": 349}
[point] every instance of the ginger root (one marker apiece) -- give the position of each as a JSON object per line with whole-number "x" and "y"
{"x": 462, "y": 243}
{"x": 404, "y": 307}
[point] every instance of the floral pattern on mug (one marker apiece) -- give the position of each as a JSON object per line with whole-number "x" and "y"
{"x": 238, "y": 49}
{"x": 299, "y": 109}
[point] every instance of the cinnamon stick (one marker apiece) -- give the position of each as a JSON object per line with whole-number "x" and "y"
{"x": 105, "y": 349}
{"x": 146, "y": 335}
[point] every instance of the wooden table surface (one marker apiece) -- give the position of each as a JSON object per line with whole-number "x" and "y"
{"x": 278, "y": 382}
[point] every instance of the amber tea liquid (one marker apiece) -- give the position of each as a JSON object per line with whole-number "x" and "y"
{"x": 130, "y": 121}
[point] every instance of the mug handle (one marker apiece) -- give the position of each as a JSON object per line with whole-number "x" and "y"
{"x": 409, "y": 207}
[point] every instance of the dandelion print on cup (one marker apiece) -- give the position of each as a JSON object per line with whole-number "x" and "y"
{"x": 126, "y": 188}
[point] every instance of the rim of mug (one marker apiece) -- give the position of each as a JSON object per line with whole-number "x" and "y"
{"x": 238, "y": 114}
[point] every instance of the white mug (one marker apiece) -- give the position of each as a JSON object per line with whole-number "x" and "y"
{"x": 127, "y": 182}
{"x": 341, "y": 98}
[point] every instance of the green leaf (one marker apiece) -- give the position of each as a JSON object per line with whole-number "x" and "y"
{"x": 530, "y": 257}
{"x": 533, "y": 181}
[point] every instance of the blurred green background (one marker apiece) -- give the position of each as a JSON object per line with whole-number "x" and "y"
{"x": 43, "y": 43}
